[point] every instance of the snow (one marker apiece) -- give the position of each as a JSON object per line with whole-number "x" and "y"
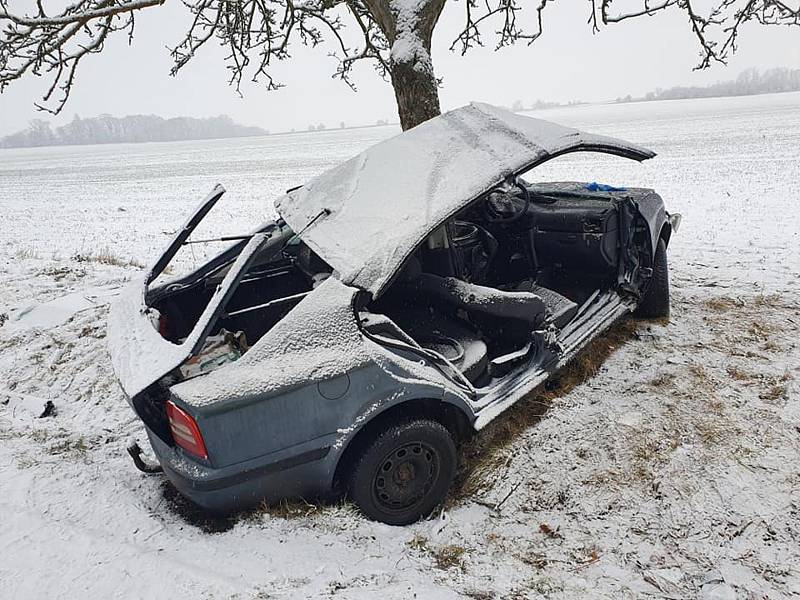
{"x": 524, "y": 305}
{"x": 365, "y": 216}
{"x": 43, "y": 315}
{"x": 407, "y": 46}
{"x": 319, "y": 339}
{"x": 672, "y": 472}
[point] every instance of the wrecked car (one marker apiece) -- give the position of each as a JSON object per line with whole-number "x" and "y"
{"x": 398, "y": 303}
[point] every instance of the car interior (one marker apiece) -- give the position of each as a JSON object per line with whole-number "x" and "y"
{"x": 269, "y": 289}
{"x": 522, "y": 258}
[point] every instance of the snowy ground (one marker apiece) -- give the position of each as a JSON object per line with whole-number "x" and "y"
{"x": 671, "y": 472}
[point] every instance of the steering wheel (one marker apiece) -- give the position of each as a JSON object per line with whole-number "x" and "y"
{"x": 495, "y": 214}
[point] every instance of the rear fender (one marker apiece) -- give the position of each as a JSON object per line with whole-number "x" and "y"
{"x": 385, "y": 412}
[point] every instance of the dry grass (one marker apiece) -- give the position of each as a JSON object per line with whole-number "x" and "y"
{"x": 549, "y": 531}
{"x": 714, "y": 426}
{"x": 760, "y": 329}
{"x": 418, "y": 543}
{"x": 663, "y": 380}
{"x": 60, "y": 273}
{"x": 706, "y": 387}
{"x": 105, "y": 256}
{"x": 700, "y": 373}
{"x": 722, "y": 303}
{"x": 486, "y": 453}
{"x": 541, "y": 587}
{"x": 24, "y": 461}
{"x": 479, "y": 595}
{"x": 645, "y": 453}
{"x": 449, "y": 556}
{"x": 445, "y": 557}
{"x": 289, "y": 509}
{"x": 714, "y": 431}
{"x": 768, "y": 301}
{"x": 537, "y": 560}
{"x": 587, "y": 555}
{"x": 73, "y": 448}
{"x": 774, "y": 393}
{"x": 739, "y": 375}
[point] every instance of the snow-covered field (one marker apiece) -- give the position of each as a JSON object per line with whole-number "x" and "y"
{"x": 672, "y": 471}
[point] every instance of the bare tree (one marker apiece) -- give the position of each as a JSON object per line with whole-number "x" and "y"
{"x": 394, "y": 35}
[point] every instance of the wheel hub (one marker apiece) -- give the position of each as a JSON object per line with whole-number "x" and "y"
{"x": 405, "y": 475}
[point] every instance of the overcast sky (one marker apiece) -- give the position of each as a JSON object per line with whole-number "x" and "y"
{"x": 567, "y": 63}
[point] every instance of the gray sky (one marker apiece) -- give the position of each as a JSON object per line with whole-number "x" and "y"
{"x": 566, "y": 63}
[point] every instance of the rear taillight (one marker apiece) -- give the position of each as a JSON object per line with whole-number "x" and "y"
{"x": 185, "y": 431}
{"x": 163, "y": 325}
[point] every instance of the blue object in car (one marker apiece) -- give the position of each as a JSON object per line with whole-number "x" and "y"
{"x": 603, "y": 187}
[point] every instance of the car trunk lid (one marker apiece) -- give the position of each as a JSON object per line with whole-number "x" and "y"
{"x": 140, "y": 355}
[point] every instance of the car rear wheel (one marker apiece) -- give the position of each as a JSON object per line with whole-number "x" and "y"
{"x": 405, "y": 472}
{"x": 655, "y": 302}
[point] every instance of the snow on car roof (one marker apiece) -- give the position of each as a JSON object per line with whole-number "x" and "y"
{"x": 365, "y": 216}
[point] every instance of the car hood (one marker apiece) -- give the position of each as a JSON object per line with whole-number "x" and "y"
{"x": 365, "y": 216}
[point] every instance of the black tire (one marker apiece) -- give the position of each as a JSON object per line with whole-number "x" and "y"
{"x": 655, "y": 302}
{"x": 404, "y": 473}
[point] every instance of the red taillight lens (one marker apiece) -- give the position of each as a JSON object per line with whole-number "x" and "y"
{"x": 185, "y": 431}
{"x": 163, "y": 325}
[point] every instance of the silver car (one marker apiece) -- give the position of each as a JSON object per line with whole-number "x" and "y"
{"x": 401, "y": 301}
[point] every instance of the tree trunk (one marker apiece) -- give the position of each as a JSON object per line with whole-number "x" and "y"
{"x": 417, "y": 95}
{"x": 409, "y": 29}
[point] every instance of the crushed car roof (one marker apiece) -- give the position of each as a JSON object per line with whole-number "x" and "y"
{"x": 365, "y": 216}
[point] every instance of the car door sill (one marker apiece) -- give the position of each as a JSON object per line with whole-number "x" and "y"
{"x": 609, "y": 307}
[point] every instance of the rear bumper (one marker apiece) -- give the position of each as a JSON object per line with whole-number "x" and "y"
{"x": 306, "y": 473}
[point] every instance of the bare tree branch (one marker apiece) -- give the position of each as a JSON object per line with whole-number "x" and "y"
{"x": 504, "y": 11}
{"x": 42, "y": 44}
{"x": 716, "y": 28}
{"x": 257, "y": 33}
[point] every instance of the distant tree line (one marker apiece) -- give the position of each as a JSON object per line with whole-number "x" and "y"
{"x": 106, "y": 129}
{"x": 749, "y": 82}
{"x": 343, "y": 125}
{"x": 519, "y": 106}
{"x": 51, "y": 39}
